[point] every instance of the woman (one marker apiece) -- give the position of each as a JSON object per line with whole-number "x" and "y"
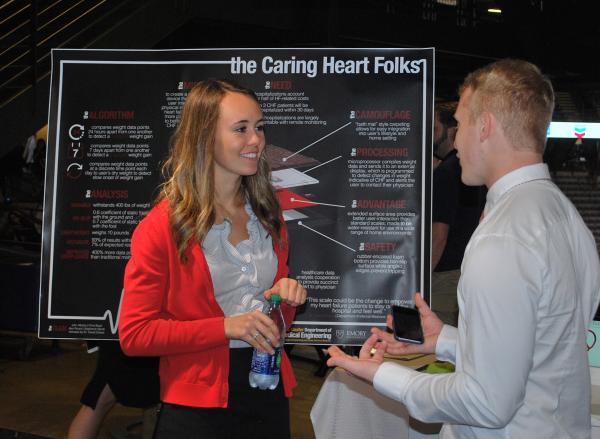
{"x": 203, "y": 262}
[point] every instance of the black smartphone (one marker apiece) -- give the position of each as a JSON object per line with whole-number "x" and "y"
{"x": 407, "y": 325}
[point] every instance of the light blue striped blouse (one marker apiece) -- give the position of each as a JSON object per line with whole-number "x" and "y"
{"x": 240, "y": 274}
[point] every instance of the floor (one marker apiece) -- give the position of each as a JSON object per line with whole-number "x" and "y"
{"x": 40, "y": 387}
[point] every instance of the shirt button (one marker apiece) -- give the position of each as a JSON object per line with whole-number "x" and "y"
{"x": 244, "y": 268}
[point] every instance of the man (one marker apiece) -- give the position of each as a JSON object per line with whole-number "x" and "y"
{"x": 444, "y": 130}
{"x": 529, "y": 287}
{"x": 456, "y": 209}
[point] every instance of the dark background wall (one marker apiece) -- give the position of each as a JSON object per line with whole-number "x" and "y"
{"x": 563, "y": 37}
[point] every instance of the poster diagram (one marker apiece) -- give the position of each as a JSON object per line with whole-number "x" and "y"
{"x": 348, "y": 140}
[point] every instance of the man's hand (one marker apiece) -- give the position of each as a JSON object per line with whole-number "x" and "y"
{"x": 366, "y": 364}
{"x": 431, "y": 324}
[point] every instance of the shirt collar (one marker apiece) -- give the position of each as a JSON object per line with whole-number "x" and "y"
{"x": 525, "y": 174}
{"x": 252, "y": 216}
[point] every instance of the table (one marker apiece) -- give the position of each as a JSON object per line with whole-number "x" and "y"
{"x": 350, "y": 408}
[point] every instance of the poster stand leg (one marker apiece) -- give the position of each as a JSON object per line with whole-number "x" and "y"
{"x": 321, "y": 360}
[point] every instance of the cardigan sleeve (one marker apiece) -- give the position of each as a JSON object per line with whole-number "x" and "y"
{"x": 145, "y": 328}
{"x": 282, "y": 251}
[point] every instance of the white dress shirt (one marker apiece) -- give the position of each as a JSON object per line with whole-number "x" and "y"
{"x": 529, "y": 288}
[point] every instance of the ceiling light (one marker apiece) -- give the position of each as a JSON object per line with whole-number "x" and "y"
{"x": 495, "y": 10}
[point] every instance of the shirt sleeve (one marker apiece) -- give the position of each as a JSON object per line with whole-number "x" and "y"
{"x": 501, "y": 286}
{"x": 445, "y": 348}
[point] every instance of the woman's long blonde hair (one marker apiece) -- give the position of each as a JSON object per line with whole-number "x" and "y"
{"x": 189, "y": 170}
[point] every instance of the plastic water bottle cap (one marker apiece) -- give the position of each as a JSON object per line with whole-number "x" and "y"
{"x": 275, "y": 299}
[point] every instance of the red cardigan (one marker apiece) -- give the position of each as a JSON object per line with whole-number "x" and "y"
{"x": 169, "y": 310}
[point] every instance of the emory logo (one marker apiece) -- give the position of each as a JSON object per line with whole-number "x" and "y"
{"x": 580, "y": 132}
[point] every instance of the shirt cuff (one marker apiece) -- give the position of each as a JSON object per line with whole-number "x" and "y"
{"x": 445, "y": 348}
{"x": 392, "y": 380}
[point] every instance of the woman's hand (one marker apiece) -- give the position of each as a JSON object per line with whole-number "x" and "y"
{"x": 290, "y": 291}
{"x": 431, "y": 324}
{"x": 366, "y": 365}
{"x": 255, "y": 328}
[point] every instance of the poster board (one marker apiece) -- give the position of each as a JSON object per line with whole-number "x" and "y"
{"x": 348, "y": 139}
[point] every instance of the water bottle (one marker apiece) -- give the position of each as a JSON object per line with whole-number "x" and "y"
{"x": 264, "y": 372}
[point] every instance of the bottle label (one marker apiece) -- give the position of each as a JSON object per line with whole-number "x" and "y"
{"x": 265, "y": 364}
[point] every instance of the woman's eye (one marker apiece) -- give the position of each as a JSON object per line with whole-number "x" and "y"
{"x": 260, "y": 128}
{"x": 241, "y": 129}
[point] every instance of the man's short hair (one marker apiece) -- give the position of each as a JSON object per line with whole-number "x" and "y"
{"x": 518, "y": 95}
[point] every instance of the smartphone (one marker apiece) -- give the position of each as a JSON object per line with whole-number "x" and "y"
{"x": 407, "y": 325}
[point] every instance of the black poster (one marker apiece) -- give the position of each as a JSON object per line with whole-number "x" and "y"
{"x": 349, "y": 142}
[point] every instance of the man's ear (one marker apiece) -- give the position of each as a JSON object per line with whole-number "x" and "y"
{"x": 486, "y": 120}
